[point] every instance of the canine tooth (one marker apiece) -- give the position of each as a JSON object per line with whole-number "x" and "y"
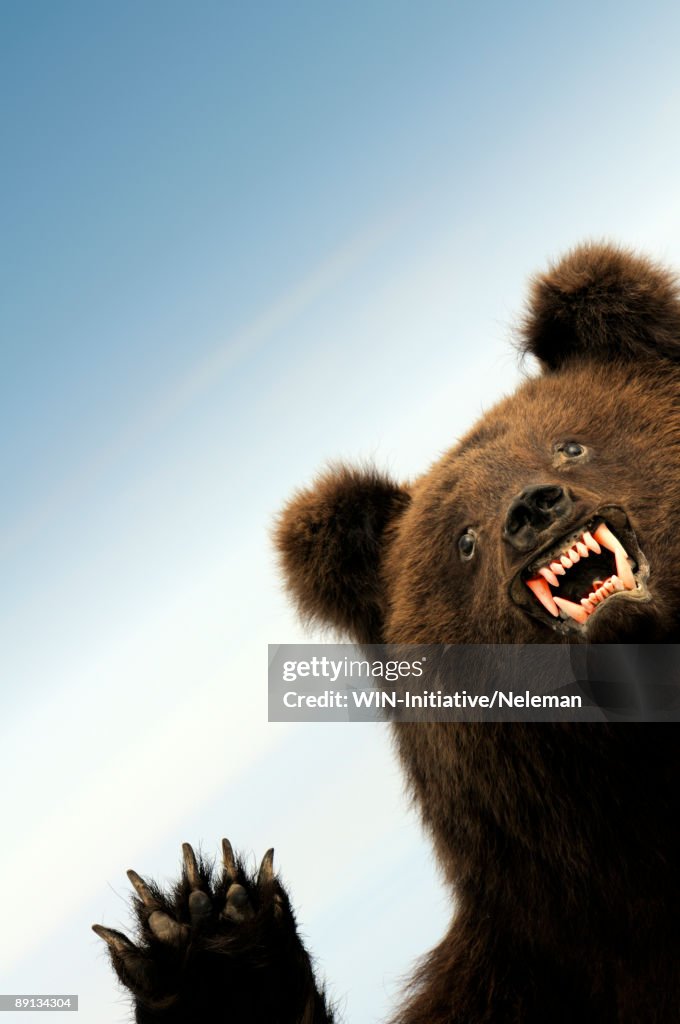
{"x": 582, "y": 549}
{"x": 558, "y": 568}
{"x": 624, "y": 571}
{"x": 566, "y": 562}
{"x": 607, "y": 539}
{"x": 574, "y": 611}
{"x": 574, "y": 555}
{"x": 549, "y": 576}
{"x": 540, "y": 588}
{"x": 613, "y": 544}
{"x": 591, "y": 543}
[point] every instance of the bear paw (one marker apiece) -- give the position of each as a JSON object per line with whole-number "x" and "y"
{"x": 216, "y": 948}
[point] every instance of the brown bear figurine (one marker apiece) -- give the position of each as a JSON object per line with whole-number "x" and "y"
{"x": 552, "y": 521}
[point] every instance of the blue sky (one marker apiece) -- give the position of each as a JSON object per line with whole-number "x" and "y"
{"x": 241, "y": 240}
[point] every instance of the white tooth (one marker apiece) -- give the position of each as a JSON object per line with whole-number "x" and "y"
{"x": 574, "y": 555}
{"x": 608, "y": 540}
{"x": 582, "y": 549}
{"x": 624, "y": 571}
{"x": 566, "y": 562}
{"x": 558, "y": 568}
{"x": 601, "y": 593}
{"x": 609, "y": 586}
{"x": 618, "y": 584}
{"x": 588, "y": 605}
{"x": 613, "y": 544}
{"x": 549, "y": 576}
{"x": 593, "y": 597}
{"x": 542, "y": 591}
{"x": 591, "y": 543}
{"x": 575, "y": 611}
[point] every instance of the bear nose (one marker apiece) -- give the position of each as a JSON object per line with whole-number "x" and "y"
{"x": 533, "y": 511}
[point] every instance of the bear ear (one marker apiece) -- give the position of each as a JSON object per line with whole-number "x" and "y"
{"x": 331, "y": 539}
{"x": 601, "y": 302}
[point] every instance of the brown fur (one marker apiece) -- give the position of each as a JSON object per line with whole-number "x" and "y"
{"x": 330, "y": 542}
{"x": 561, "y": 842}
{"x": 603, "y": 302}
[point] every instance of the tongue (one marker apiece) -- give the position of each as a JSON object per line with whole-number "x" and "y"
{"x": 623, "y": 570}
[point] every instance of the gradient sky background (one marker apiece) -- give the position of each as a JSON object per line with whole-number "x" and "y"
{"x": 240, "y": 240}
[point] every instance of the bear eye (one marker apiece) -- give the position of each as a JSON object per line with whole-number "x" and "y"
{"x": 572, "y": 449}
{"x": 466, "y": 545}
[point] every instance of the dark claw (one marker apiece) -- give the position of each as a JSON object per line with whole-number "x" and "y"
{"x": 167, "y": 930}
{"x": 141, "y": 889}
{"x": 237, "y": 907}
{"x": 228, "y": 859}
{"x": 116, "y": 940}
{"x": 266, "y": 872}
{"x": 190, "y": 866}
{"x": 129, "y": 961}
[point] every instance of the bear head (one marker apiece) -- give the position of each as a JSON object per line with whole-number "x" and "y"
{"x": 553, "y": 519}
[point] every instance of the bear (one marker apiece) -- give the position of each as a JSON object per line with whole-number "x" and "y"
{"x": 551, "y": 522}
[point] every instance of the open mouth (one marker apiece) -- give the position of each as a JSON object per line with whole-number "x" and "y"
{"x": 570, "y": 581}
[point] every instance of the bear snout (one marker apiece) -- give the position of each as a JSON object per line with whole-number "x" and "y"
{"x": 532, "y": 512}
